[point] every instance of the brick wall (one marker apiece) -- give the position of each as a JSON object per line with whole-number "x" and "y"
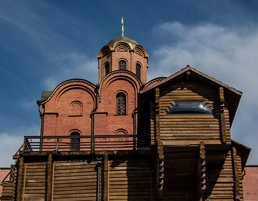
{"x": 250, "y": 183}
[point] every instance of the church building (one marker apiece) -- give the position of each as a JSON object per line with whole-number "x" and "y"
{"x": 130, "y": 139}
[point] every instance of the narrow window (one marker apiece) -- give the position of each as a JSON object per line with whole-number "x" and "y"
{"x": 122, "y": 65}
{"x": 121, "y": 104}
{"x": 138, "y": 71}
{"x": 75, "y": 141}
{"x": 107, "y": 69}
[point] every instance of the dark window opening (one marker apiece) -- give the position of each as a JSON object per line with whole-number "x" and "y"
{"x": 188, "y": 107}
{"x": 138, "y": 70}
{"x": 122, "y": 65}
{"x": 75, "y": 141}
{"x": 121, "y": 104}
{"x": 107, "y": 69}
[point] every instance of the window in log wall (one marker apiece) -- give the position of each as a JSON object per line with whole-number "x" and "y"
{"x": 188, "y": 107}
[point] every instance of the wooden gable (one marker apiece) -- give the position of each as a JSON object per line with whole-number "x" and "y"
{"x": 190, "y": 127}
{"x": 189, "y": 74}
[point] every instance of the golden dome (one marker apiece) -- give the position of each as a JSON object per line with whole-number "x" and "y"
{"x": 127, "y": 40}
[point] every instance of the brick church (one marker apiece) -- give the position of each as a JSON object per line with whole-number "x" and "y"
{"x": 129, "y": 139}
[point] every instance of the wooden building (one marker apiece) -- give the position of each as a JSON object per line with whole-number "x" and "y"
{"x": 127, "y": 139}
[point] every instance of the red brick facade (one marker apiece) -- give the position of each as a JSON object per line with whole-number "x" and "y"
{"x": 80, "y": 106}
{"x": 250, "y": 183}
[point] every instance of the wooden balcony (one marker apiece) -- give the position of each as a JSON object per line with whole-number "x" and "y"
{"x": 35, "y": 144}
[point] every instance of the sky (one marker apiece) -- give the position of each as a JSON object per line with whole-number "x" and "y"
{"x": 45, "y": 42}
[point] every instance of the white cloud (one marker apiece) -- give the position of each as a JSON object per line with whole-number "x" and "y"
{"x": 8, "y": 147}
{"x": 73, "y": 65}
{"x": 10, "y": 143}
{"x": 50, "y": 83}
{"x": 80, "y": 66}
{"x": 229, "y": 55}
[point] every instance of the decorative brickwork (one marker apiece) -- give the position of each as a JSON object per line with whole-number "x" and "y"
{"x": 123, "y": 49}
{"x": 250, "y": 183}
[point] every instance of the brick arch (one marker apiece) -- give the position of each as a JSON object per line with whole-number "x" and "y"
{"x": 122, "y": 47}
{"x": 75, "y": 130}
{"x": 121, "y": 91}
{"x": 104, "y": 51}
{"x": 122, "y": 58}
{"x": 140, "y": 51}
{"x": 75, "y": 108}
{"x": 72, "y": 84}
{"x": 72, "y": 87}
{"x": 74, "y": 93}
{"x": 117, "y": 74}
{"x": 121, "y": 131}
{"x": 120, "y": 75}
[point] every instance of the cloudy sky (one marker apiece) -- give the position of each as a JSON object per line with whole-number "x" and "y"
{"x": 43, "y": 43}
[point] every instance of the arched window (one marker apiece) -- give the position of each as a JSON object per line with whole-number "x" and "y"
{"x": 121, "y": 104}
{"x": 138, "y": 70}
{"x": 122, "y": 65}
{"x": 107, "y": 68}
{"x": 75, "y": 141}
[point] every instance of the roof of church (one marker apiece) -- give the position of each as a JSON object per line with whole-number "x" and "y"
{"x": 127, "y": 40}
{"x": 45, "y": 95}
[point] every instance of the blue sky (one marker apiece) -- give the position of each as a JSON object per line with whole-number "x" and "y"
{"x": 43, "y": 43}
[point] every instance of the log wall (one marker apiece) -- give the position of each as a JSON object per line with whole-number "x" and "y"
{"x": 180, "y": 174}
{"x": 8, "y": 188}
{"x": 131, "y": 180}
{"x": 221, "y": 187}
{"x": 34, "y": 181}
{"x": 178, "y": 129}
{"x": 74, "y": 181}
{"x": 61, "y": 178}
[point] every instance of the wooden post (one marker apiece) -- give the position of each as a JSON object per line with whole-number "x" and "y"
{"x": 201, "y": 173}
{"x": 160, "y": 154}
{"x": 20, "y": 179}
{"x": 236, "y": 174}
{"x": 160, "y": 172}
{"x": 49, "y": 177}
{"x": 157, "y": 95}
{"x": 222, "y": 116}
{"x": 15, "y": 173}
{"x": 106, "y": 178}
{"x": 99, "y": 164}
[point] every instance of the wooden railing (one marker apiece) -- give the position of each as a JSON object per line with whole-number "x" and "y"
{"x": 83, "y": 143}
